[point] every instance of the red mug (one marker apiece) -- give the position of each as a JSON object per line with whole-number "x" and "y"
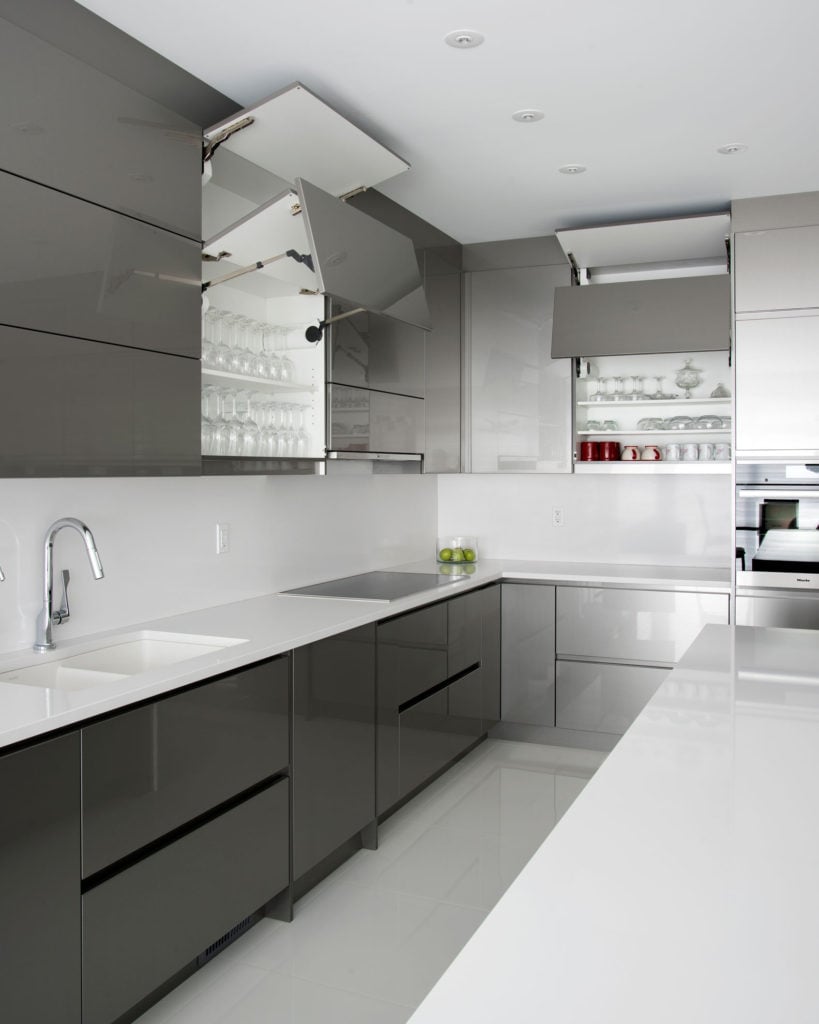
{"x": 609, "y": 451}
{"x": 589, "y": 451}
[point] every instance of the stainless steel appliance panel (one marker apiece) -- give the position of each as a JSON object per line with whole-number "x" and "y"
{"x": 798, "y": 611}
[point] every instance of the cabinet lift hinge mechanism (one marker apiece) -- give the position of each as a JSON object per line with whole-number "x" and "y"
{"x": 580, "y": 275}
{"x": 211, "y": 143}
{"x": 314, "y": 334}
{"x": 299, "y": 257}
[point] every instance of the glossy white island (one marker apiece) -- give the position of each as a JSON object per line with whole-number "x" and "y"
{"x": 682, "y": 887}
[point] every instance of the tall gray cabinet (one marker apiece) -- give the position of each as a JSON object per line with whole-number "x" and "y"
{"x": 99, "y": 188}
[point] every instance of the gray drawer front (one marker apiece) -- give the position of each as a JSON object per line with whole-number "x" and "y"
{"x": 464, "y": 631}
{"x": 95, "y": 274}
{"x": 466, "y": 706}
{"x": 633, "y": 625}
{"x": 153, "y": 769}
{"x": 603, "y": 698}
{"x": 427, "y": 741}
{"x": 412, "y": 652}
{"x": 143, "y": 925}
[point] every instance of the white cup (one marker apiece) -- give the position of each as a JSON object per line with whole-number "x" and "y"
{"x": 651, "y": 453}
{"x": 722, "y": 451}
{"x": 706, "y": 451}
{"x": 690, "y": 452}
{"x": 672, "y": 452}
{"x": 630, "y": 453}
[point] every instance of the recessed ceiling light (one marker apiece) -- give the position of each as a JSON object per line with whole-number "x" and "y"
{"x": 528, "y": 115}
{"x": 572, "y": 169}
{"x": 731, "y": 148}
{"x": 463, "y": 39}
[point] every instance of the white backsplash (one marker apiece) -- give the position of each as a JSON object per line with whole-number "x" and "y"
{"x": 157, "y": 541}
{"x": 643, "y": 520}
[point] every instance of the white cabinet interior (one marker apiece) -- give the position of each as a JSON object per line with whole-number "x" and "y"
{"x": 635, "y": 400}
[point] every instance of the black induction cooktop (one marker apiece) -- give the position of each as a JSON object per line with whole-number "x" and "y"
{"x": 377, "y": 586}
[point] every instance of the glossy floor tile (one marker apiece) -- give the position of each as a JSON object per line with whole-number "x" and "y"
{"x": 370, "y": 941}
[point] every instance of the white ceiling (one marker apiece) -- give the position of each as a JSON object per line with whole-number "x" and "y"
{"x": 640, "y": 91}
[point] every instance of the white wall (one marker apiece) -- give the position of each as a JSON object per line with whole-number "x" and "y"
{"x": 156, "y": 538}
{"x": 661, "y": 519}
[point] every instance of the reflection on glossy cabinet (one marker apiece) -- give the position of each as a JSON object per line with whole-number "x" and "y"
{"x": 777, "y": 269}
{"x": 333, "y": 744}
{"x": 595, "y": 697}
{"x": 520, "y": 398}
{"x": 40, "y": 883}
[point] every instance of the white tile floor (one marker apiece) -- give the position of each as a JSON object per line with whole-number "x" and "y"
{"x": 369, "y": 942}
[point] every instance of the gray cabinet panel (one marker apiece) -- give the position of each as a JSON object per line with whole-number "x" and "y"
{"x": 676, "y": 314}
{"x": 794, "y": 612}
{"x": 333, "y": 744}
{"x": 412, "y": 652}
{"x": 374, "y": 421}
{"x": 464, "y": 620}
{"x": 371, "y": 351}
{"x": 145, "y": 924}
{"x": 428, "y": 741}
{"x": 777, "y": 269}
{"x": 77, "y": 269}
{"x": 519, "y": 397}
{"x": 40, "y": 883}
{"x": 633, "y": 625}
{"x": 67, "y": 125}
{"x": 603, "y": 698}
{"x": 151, "y": 770}
{"x": 466, "y": 707}
{"x": 528, "y": 653}
{"x": 775, "y": 410}
{"x": 442, "y": 396}
{"x": 80, "y": 408}
{"x": 491, "y": 655}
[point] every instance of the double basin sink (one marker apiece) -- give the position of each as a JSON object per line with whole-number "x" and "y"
{"x": 124, "y": 655}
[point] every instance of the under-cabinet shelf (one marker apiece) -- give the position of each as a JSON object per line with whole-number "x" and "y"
{"x": 655, "y": 402}
{"x": 670, "y": 434}
{"x": 683, "y": 468}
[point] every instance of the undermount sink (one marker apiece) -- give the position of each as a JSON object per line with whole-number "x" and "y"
{"x": 122, "y": 656}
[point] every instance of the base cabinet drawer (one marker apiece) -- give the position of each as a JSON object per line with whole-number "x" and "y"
{"x": 427, "y": 741}
{"x": 603, "y": 698}
{"x": 633, "y": 625}
{"x": 151, "y": 920}
{"x": 153, "y": 769}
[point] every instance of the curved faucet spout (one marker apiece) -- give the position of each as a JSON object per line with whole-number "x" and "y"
{"x": 43, "y": 641}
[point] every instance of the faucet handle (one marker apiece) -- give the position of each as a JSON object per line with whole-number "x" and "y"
{"x": 64, "y": 612}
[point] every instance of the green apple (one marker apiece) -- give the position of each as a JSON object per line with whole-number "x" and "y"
{"x": 457, "y": 554}
{"x": 445, "y": 554}
{"x": 469, "y": 555}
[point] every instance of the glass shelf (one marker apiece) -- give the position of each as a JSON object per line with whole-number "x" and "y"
{"x": 655, "y": 402}
{"x": 259, "y": 383}
{"x": 669, "y": 434}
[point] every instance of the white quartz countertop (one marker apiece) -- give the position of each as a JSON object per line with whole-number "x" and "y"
{"x": 682, "y": 885}
{"x": 269, "y": 625}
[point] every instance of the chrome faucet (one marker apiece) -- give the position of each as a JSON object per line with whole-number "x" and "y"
{"x": 43, "y": 641}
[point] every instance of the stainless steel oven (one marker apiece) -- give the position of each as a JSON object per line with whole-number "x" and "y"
{"x": 777, "y": 544}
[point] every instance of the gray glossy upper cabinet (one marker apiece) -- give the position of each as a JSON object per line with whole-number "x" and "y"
{"x": 40, "y": 883}
{"x": 81, "y": 408}
{"x": 442, "y": 398}
{"x": 777, "y": 269}
{"x": 78, "y": 269}
{"x": 675, "y": 314}
{"x": 361, "y": 420}
{"x": 70, "y": 126}
{"x": 519, "y": 398}
{"x": 378, "y": 352}
{"x": 333, "y": 744}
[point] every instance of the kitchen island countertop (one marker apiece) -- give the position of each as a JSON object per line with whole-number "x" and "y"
{"x": 682, "y": 885}
{"x": 271, "y": 624}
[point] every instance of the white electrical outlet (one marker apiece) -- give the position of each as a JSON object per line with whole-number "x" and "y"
{"x": 557, "y": 517}
{"x": 222, "y": 538}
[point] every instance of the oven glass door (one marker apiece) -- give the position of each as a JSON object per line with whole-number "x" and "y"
{"x": 777, "y": 536}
